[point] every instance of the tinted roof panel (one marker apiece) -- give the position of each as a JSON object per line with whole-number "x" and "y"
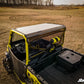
{"x": 39, "y": 29}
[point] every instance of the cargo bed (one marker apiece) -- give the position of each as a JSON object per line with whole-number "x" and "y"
{"x": 54, "y": 74}
{"x": 67, "y": 68}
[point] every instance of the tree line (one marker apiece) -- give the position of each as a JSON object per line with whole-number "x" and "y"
{"x": 28, "y": 2}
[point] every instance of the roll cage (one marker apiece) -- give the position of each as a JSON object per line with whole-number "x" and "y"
{"x": 26, "y": 43}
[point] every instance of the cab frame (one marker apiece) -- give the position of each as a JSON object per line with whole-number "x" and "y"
{"x": 27, "y": 72}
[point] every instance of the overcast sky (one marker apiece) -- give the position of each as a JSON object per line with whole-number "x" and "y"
{"x": 59, "y": 2}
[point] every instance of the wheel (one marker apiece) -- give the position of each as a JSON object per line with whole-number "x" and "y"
{"x": 7, "y": 65}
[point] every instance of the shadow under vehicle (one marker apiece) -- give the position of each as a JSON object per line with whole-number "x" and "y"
{"x": 35, "y": 54}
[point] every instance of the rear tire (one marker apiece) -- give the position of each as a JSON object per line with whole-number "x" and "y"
{"x": 7, "y": 65}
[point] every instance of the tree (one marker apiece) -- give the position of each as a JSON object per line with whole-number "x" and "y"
{"x": 27, "y": 1}
{"x": 14, "y": 2}
{"x": 49, "y": 2}
{"x": 7, "y": 1}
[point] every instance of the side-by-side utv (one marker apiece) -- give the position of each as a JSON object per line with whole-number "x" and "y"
{"x": 35, "y": 54}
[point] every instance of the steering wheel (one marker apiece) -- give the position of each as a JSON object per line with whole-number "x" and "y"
{"x": 21, "y": 48}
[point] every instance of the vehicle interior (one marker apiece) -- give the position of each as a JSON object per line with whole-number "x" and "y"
{"x": 38, "y": 47}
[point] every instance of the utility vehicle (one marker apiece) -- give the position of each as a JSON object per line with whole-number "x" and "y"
{"x": 35, "y": 54}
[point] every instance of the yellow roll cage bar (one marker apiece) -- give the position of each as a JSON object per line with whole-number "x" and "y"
{"x": 30, "y": 76}
{"x": 26, "y": 43}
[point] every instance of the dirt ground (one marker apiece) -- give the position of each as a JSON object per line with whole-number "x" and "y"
{"x": 10, "y": 18}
